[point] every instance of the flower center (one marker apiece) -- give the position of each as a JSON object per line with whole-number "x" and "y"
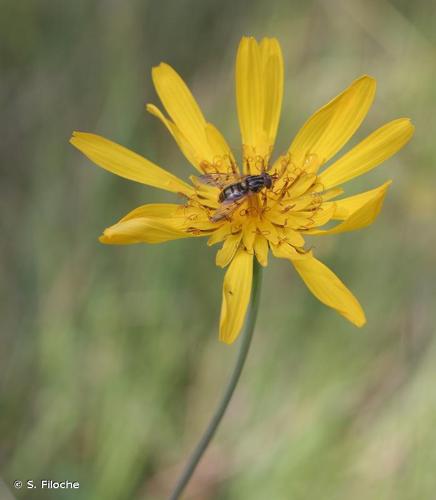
{"x": 279, "y": 204}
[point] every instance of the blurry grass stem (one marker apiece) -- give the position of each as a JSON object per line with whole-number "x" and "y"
{"x": 245, "y": 341}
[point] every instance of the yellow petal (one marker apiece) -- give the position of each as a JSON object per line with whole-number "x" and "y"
{"x": 223, "y": 159}
{"x": 375, "y": 149}
{"x": 181, "y": 141}
{"x": 143, "y": 230}
{"x": 236, "y": 296}
{"x": 228, "y": 250}
{"x": 305, "y": 220}
{"x": 261, "y": 250}
{"x": 324, "y": 213}
{"x": 329, "y": 289}
{"x": 249, "y": 97}
{"x": 293, "y": 237}
{"x": 158, "y": 222}
{"x": 363, "y": 209}
{"x": 219, "y": 154}
{"x": 284, "y": 250}
{"x": 249, "y": 235}
{"x": 204, "y": 194}
{"x": 349, "y": 205}
{"x": 220, "y": 234}
{"x": 259, "y": 93}
{"x": 272, "y": 74}
{"x": 268, "y": 230}
{"x": 153, "y": 210}
{"x": 182, "y": 108}
{"x": 332, "y": 193}
{"x": 126, "y": 163}
{"x": 331, "y": 127}
{"x": 301, "y": 185}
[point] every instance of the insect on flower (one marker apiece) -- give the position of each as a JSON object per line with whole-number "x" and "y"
{"x": 264, "y": 205}
{"x": 234, "y": 189}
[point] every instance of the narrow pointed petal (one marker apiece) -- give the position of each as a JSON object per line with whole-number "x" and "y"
{"x": 228, "y": 250}
{"x": 284, "y": 250}
{"x": 183, "y": 109}
{"x": 261, "y": 250}
{"x": 219, "y": 154}
{"x": 223, "y": 158}
{"x": 329, "y": 289}
{"x": 348, "y": 206}
{"x": 160, "y": 210}
{"x": 259, "y": 94}
{"x": 220, "y": 234}
{"x": 272, "y": 73}
{"x": 268, "y": 230}
{"x": 236, "y": 296}
{"x": 249, "y": 95}
{"x": 301, "y": 185}
{"x": 333, "y": 125}
{"x": 375, "y": 149}
{"x": 293, "y": 237}
{"x": 361, "y": 217}
{"x": 181, "y": 141}
{"x": 305, "y": 220}
{"x": 249, "y": 235}
{"x": 125, "y": 163}
{"x": 332, "y": 193}
{"x": 143, "y": 230}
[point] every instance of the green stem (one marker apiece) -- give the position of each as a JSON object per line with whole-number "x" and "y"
{"x": 245, "y": 342}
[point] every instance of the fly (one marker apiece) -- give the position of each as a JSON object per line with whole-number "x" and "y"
{"x": 234, "y": 190}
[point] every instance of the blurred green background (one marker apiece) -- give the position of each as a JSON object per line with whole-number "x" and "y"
{"x": 110, "y": 363}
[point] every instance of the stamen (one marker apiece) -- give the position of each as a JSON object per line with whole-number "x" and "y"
{"x": 264, "y": 202}
{"x": 232, "y": 164}
{"x": 253, "y": 161}
{"x": 204, "y": 165}
{"x": 244, "y": 212}
{"x": 183, "y": 195}
{"x": 194, "y": 230}
{"x": 235, "y": 229}
{"x": 287, "y": 208}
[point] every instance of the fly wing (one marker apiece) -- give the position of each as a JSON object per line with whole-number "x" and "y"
{"x": 225, "y": 210}
{"x": 219, "y": 180}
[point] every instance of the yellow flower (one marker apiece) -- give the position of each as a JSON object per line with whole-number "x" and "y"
{"x": 277, "y": 218}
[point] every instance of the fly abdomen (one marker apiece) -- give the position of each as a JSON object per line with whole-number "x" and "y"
{"x": 234, "y": 191}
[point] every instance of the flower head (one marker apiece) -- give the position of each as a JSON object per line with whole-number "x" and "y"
{"x": 259, "y": 205}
